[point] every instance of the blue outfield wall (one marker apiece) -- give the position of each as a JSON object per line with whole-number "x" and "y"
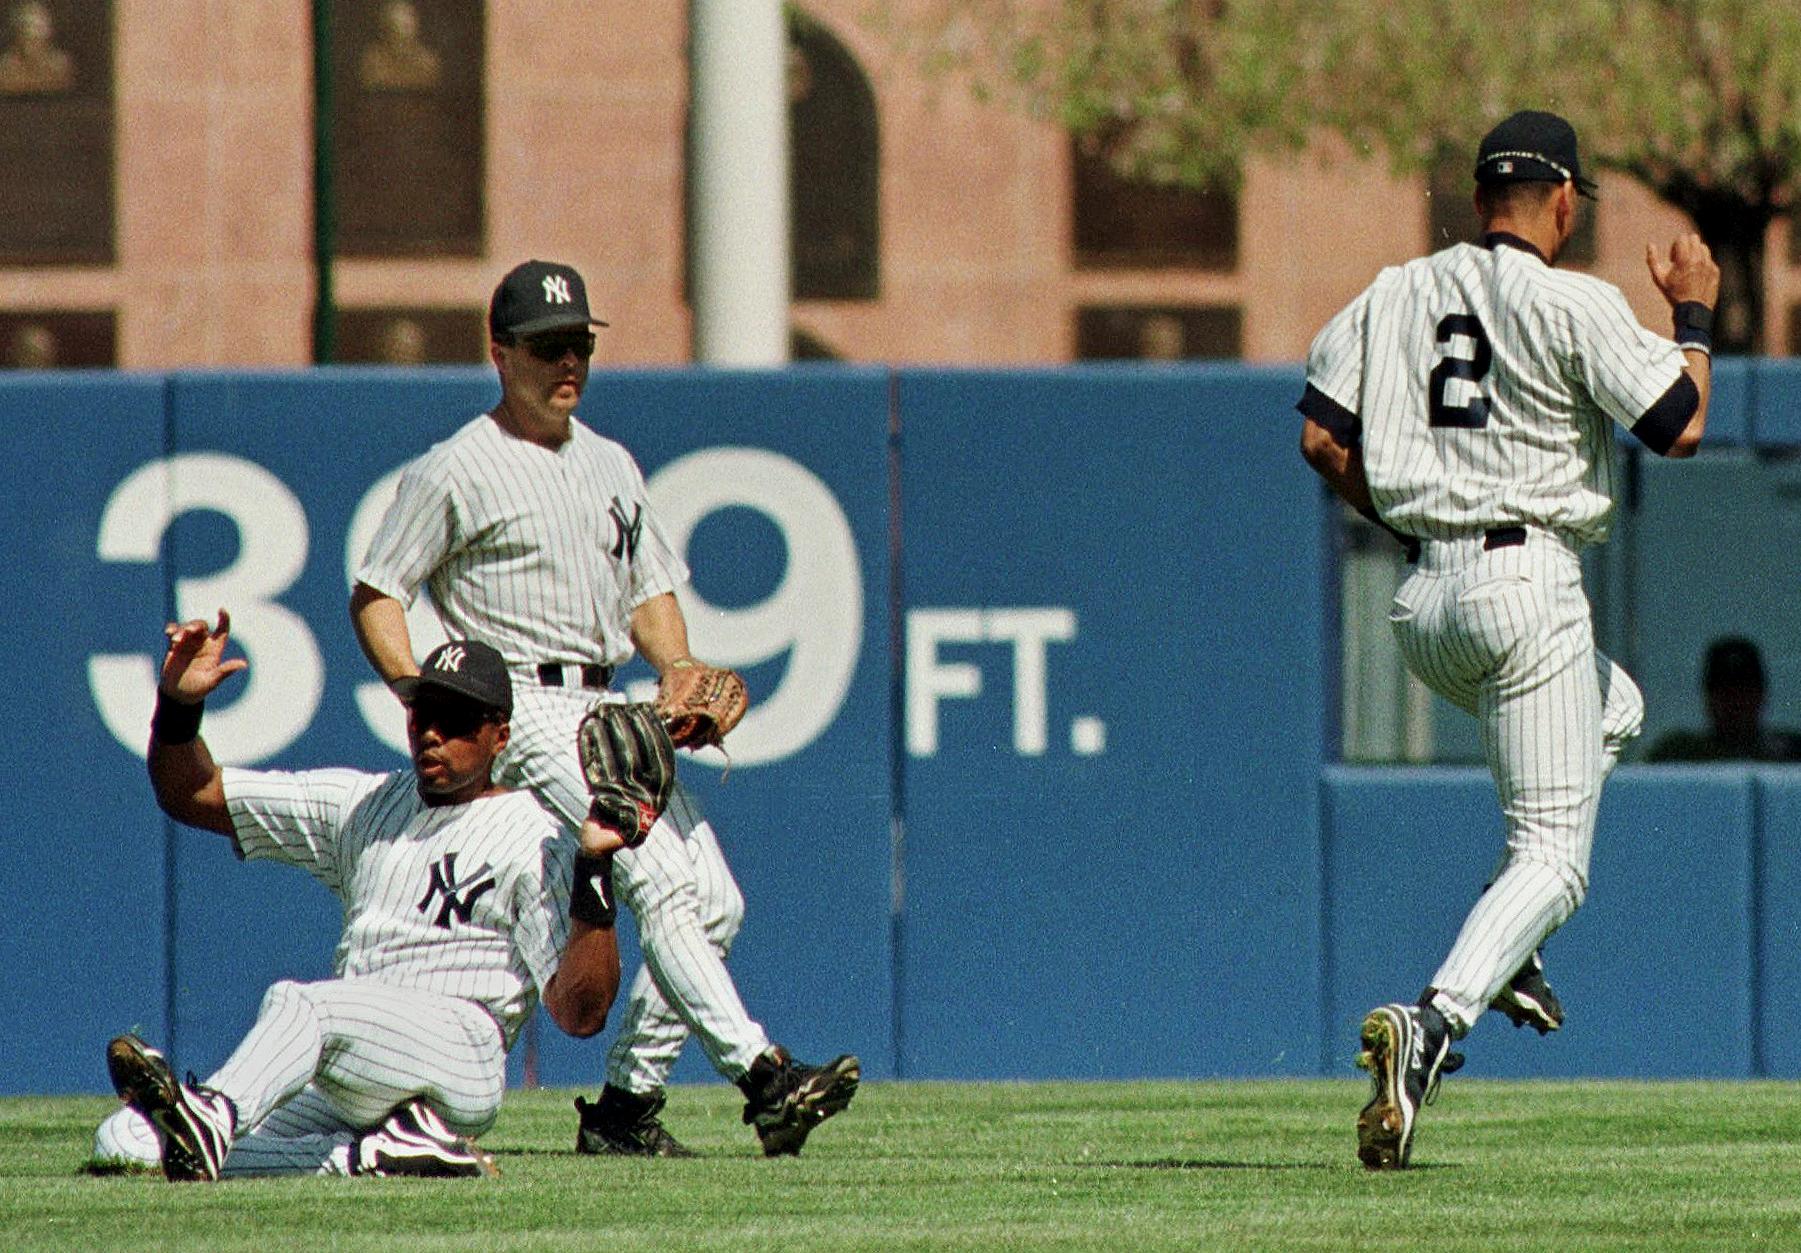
{"x": 1106, "y": 906}
{"x": 1672, "y": 897}
{"x": 1033, "y": 782}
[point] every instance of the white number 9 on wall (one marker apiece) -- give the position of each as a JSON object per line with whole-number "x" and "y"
{"x": 815, "y": 612}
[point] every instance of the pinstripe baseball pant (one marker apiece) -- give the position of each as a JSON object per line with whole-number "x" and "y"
{"x": 326, "y": 1060}
{"x": 1505, "y": 634}
{"x": 678, "y": 887}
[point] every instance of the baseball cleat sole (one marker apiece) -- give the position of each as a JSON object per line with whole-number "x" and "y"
{"x": 1530, "y": 1003}
{"x": 140, "y": 1076}
{"x": 194, "y": 1147}
{"x": 1385, "y": 1127}
{"x": 1527, "y": 999}
{"x": 826, "y": 1092}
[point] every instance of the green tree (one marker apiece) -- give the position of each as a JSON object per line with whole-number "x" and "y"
{"x": 1698, "y": 100}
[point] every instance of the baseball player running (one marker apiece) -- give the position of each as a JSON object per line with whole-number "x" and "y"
{"x": 535, "y": 533}
{"x": 1465, "y": 401}
{"x": 454, "y": 916}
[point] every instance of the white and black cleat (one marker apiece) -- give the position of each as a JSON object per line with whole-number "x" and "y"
{"x": 1405, "y": 1049}
{"x": 415, "y": 1142}
{"x": 196, "y": 1123}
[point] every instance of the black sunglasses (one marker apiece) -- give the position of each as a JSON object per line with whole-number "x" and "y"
{"x": 550, "y": 348}
{"x": 454, "y": 718}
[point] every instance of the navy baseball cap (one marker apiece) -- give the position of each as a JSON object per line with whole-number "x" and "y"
{"x": 1532, "y": 147}
{"x": 539, "y": 296}
{"x": 466, "y": 668}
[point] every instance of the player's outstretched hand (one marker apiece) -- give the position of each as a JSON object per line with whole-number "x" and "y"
{"x": 1688, "y": 273}
{"x": 195, "y": 663}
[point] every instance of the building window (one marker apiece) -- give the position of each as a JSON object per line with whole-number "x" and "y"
{"x": 1126, "y": 223}
{"x": 410, "y": 336}
{"x": 1451, "y": 214}
{"x": 1159, "y": 333}
{"x": 56, "y": 132}
{"x": 407, "y": 127}
{"x": 53, "y": 339}
{"x": 834, "y": 166}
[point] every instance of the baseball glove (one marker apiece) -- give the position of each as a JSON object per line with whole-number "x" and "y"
{"x": 699, "y": 703}
{"x": 629, "y": 765}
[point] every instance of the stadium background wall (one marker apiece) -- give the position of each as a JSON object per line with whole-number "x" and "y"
{"x": 1038, "y": 785}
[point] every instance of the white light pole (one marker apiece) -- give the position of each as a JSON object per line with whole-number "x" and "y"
{"x": 738, "y": 181}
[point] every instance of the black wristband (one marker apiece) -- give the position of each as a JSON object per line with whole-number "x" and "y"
{"x": 1694, "y": 325}
{"x": 175, "y": 722}
{"x": 591, "y": 898}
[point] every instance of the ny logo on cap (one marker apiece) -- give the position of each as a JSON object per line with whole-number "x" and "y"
{"x": 556, "y": 289}
{"x": 450, "y": 659}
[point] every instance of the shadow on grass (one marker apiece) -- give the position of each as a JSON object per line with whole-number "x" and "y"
{"x": 1206, "y": 1163}
{"x": 1213, "y": 1163}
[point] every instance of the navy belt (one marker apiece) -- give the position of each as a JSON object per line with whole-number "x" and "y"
{"x": 1493, "y": 538}
{"x": 588, "y": 674}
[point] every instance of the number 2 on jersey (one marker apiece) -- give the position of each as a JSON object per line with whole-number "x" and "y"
{"x": 1471, "y": 415}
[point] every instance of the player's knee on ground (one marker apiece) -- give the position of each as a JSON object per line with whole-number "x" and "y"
{"x": 126, "y": 1141}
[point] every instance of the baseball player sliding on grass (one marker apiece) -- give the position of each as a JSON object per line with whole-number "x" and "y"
{"x": 536, "y": 534}
{"x": 1465, "y": 401}
{"x": 455, "y": 911}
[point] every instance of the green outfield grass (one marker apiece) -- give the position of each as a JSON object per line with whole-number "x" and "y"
{"x": 979, "y": 1166}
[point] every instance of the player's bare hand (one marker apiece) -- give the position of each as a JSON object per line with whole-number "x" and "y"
{"x": 598, "y": 840}
{"x": 1687, "y": 273}
{"x": 195, "y": 663}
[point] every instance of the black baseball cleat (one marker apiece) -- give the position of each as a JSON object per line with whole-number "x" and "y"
{"x": 1528, "y": 1001}
{"x": 196, "y": 1122}
{"x": 786, "y": 1099}
{"x": 1405, "y": 1049}
{"x": 626, "y": 1124}
{"x": 414, "y": 1141}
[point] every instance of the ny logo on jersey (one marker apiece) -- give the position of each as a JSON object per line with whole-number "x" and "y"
{"x": 556, "y": 289}
{"x": 626, "y": 531}
{"x": 444, "y": 883}
{"x": 451, "y": 658}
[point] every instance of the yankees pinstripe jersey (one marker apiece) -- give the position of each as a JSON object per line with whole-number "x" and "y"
{"x": 1483, "y": 385}
{"x": 464, "y": 900}
{"x": 542, "y": 554}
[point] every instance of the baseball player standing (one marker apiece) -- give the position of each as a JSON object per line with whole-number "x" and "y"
{"x": 454, "y": 919}
{"x": 1465, "y": 401}
{"x": 535, "y": 534}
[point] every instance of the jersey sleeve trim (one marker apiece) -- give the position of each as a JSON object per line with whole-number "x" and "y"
{"x": 1339, "y": 422}
{"x": 1669, "y": 416}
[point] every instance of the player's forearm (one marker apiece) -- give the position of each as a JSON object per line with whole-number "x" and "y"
{"x": 586, "y": 982}
{"x": 380, "y": 625}
{"x": 188, "y": 783}
{"x": 660, "y": 631}
{"x": 1339, "y": 466}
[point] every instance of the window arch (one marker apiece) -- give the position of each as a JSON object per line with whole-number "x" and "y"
{"x": 834, "y": 147}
